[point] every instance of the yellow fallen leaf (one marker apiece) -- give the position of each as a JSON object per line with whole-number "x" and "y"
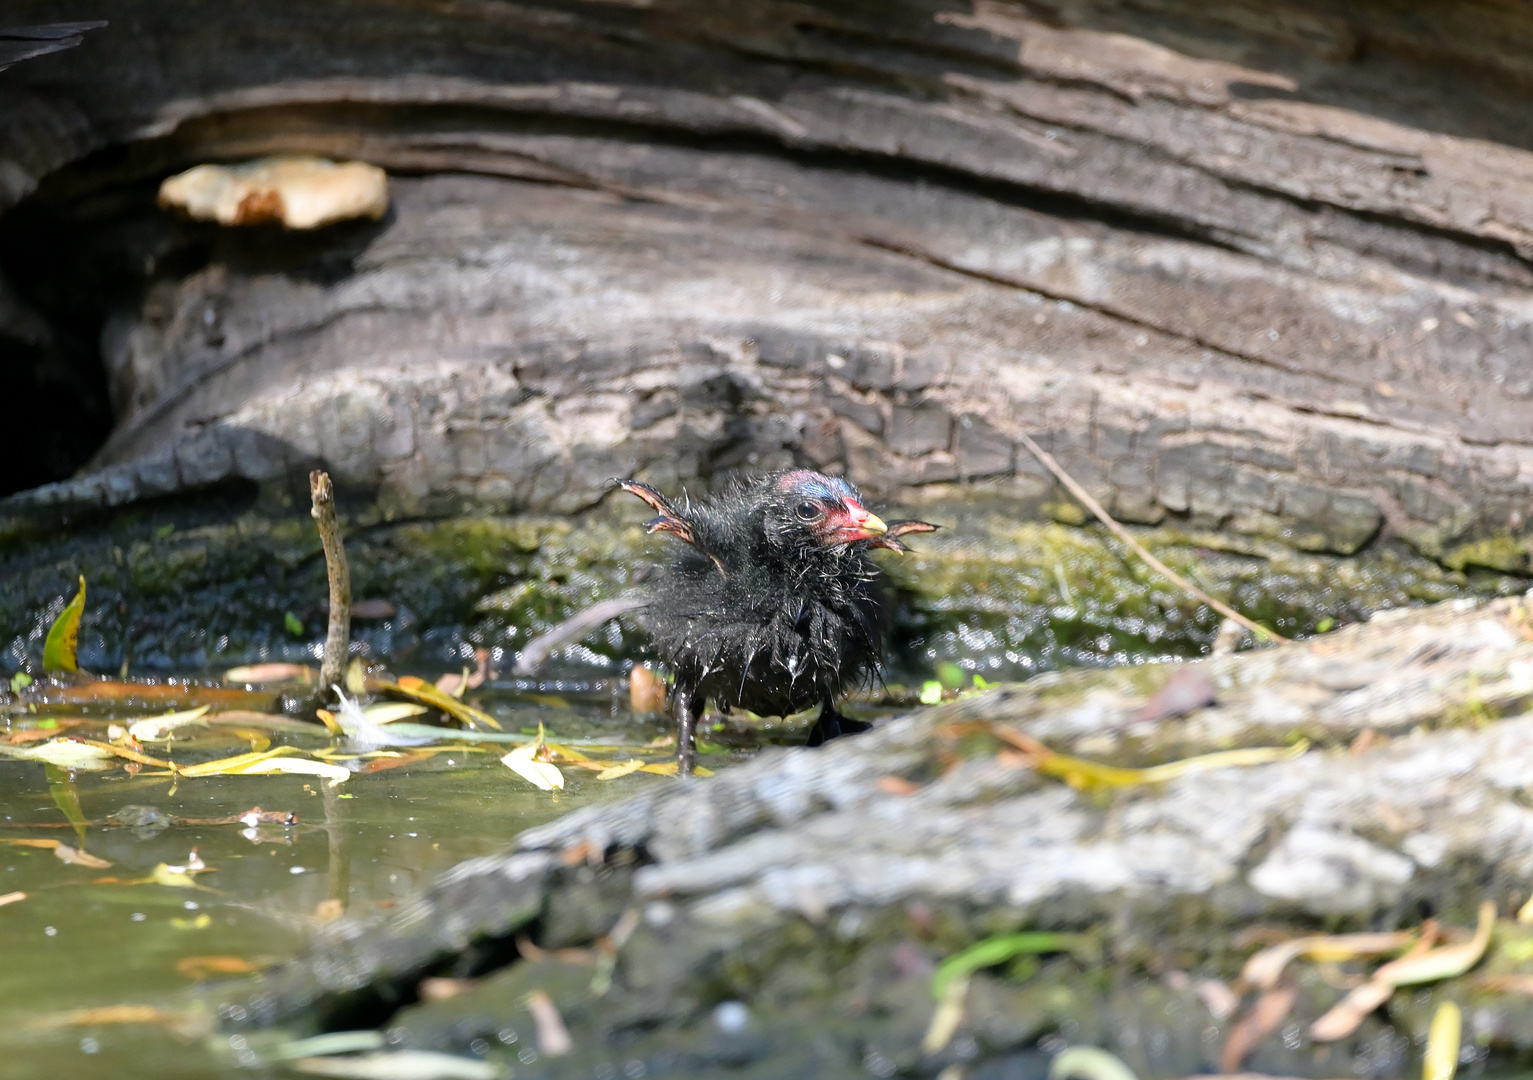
{"x": 235, "y": 764}
{"x": 1264, "y": 969}
{"x": 176, "y": 877}
{"x": 563, "y": 753}
{"x": 1445, "y": 962}
{"x": 1444, "y": 1039}
{"x": 538, "y": 773}
{"x": 127, "y": 753}
{"x": 670, "y": 768}
{"x": 1083, "y": 773}
{"x": 336, "y": 774}
{"x": 1426, "y": 965}
{"x": 427, "y": 694}
{"x": 947, "y": 1016}
{"x": 1089, "y": 1063}
{"x": 65, "y": 753}
{"x": 283, "y": 759}
{"x": 623, "y": 769}
{"x": 152, "y": 728}
{"x": 386, "y": 712}
{"x": 11, "y": 898}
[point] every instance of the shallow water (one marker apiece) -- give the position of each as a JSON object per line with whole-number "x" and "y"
{"x": 997, "y": 598}
{"x": 91, "y": 938}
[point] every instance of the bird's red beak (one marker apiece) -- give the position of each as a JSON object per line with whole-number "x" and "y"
{"x": 858, "y": 523}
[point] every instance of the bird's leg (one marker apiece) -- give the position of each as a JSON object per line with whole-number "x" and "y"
{"x": 689, "y": 710}
{"x": 831, "y": 724}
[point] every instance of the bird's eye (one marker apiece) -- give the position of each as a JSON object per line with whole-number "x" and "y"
{"x": 808, "y": 511}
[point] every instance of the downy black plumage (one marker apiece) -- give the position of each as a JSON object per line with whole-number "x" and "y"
{"x": 773, "y": 604}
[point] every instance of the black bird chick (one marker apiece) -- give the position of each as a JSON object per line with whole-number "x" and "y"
{"x": 773, "y": 605}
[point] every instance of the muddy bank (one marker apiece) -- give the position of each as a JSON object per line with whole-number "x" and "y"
{"x": 787, "y": 914}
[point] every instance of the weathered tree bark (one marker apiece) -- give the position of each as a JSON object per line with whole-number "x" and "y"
{"x": 1262, "y": 266}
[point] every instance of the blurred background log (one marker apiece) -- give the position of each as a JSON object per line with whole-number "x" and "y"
{"x": 1258, "y": 266}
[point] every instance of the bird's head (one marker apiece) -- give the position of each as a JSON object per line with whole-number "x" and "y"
{"x": 805, "y": 506}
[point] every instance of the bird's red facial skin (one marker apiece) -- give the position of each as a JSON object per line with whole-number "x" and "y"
{"x": 848, "y": 521}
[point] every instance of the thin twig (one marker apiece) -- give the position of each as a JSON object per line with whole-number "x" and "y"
{"x": 338, "y": 635}
{"x": 1136, "y": 547}
{"x": 577, "y": 626}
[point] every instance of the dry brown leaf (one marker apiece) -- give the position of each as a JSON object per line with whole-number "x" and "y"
{"x": 330, "y": 910}
{"x": 113, "y": 1014}
{"x": 1271, "y": 1009}
{"x": 26, "y": 735}
{"x": 1264, "y": 969}
{"x": 256, "y": 674}
{"x": 553, "y": 1037}
{"x": 200, "y": 967}
{"x": 76, "y": 857}
{"x": 440, "y": 988}
{"x": 1343, "y": 1018}
{"x": 394, "y": 761}
{"x": 646, "y": 690}
{"x": 583, "y": 852}
{"x": 149, "y": 695}
{"x": 1501, "y": 984}
{"x": 127, "y": 753}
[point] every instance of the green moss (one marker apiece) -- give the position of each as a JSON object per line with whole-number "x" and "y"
{"x": 201, "y": 582}
{"x": 1508, "y": 554}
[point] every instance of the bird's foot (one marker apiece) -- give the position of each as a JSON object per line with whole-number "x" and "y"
{"x": 832, "y": 725}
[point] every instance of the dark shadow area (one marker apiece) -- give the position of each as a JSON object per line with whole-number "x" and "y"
{"x": 82, "y": 260}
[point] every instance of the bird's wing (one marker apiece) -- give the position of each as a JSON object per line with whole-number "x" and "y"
{"x": 897, "y": 529}
{"x": 24, "y": 42}
{"x": 668, "y": 519}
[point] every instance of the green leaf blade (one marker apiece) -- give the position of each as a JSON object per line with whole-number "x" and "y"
{"x": 62, "y": 645}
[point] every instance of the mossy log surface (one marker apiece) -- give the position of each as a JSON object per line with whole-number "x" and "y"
{"x": 204, "y": 583}
{"x": 818, "y": 887}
